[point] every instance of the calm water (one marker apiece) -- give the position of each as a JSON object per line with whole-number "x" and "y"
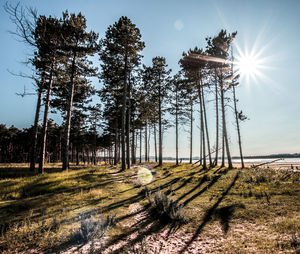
{"x": 254, "y": 160}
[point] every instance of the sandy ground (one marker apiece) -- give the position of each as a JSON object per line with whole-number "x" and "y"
{"x": 276, "y": 165}
{"x": 166, "y": 241}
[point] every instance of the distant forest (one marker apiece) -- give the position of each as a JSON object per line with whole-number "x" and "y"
{"x": 137, "y": 101}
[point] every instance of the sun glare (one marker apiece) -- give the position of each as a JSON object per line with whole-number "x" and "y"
{"x": 247, "y": 65}
{"x": 250, "y": 65}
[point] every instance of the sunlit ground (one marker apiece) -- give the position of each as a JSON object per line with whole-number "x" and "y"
{"x": 254, "y": 213}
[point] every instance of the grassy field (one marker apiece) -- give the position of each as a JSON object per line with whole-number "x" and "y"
{"x": 225, "y": 211}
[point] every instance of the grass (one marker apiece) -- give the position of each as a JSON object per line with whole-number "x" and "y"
{"x": 257, "y": 210}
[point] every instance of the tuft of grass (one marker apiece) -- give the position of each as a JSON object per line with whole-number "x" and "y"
{"x": 92, "y": 228}
{"x": 166, "y": 209}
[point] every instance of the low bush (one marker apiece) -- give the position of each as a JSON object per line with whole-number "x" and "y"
{"x": 92, "y": 228}
{"x": 166, "y": 209}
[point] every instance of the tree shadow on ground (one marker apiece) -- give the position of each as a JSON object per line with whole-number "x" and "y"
{"x": 224, "y": 215}
{"x": 203, "y": 180}
{"x": 209, "y": 213}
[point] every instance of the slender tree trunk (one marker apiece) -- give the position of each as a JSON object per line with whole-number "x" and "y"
{"x": 202, "y": 124}
{"x": 116, "y": 143}
{"x": 191, "y": 132}
{"x": 77, "y": 156}
{"x": 119, "y": 148}
{"x": 83, "y": 156}
{"x": 36, "y": 124}
{"x": 124, "y": 116}
{"x": 206, "y": 129}
{"x": 136, "y": 145}
{"x": 217, "y": 124}
{"x": 155, "y": 142}
{"x": 133, "y": 161}
{"x": 160, "y": 159}
{"x": 224, "y": 128}
{"x": 45, "y": 122}
{"x": 146, "y": 141}
{"x": 149, "y": 144}
{"x": 201, "y": 143}
{"x": 128, "y": 126}
{"x": 88, "y": 155}
{"x": 238, "y": 127}
{"x": 73, "y": 152}
{"x": 66, "y": 140}
{"x": 95, "y": 145}
{"x": 141, "y": 145}
{"x": 223, "y": 150}
{"x": 176, "y": 126}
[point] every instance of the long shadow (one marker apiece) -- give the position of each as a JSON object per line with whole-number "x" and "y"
{"x": 33, "y": 199}
{"x": 156, "y": 224}
{"x": 211, "y": 183}
{"x": 218, "y": 170}
{"x": 185, "y": 182}
{"x": 16, "y": 172}
{"x": 224, "y": 214}
{"x": 138, "y": 197}
{"x": 157, "y": 180}
{"x": 203, "y": 180}
{"x": 208, "y": 215}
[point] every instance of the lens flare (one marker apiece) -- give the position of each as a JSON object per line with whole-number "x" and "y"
{"x": 144, "y": 175}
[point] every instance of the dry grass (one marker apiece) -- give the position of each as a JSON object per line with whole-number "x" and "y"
{"x": 248, "y": 211}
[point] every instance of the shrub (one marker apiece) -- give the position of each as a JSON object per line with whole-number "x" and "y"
{"x": 92, "y": 228}
{"x": 165, "y": 208}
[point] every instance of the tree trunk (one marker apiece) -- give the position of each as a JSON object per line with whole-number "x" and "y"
{"x": 155, "y": 142}
{"x": 217, "y": 125}
{"x": 133, "y": 161}
{"x": 206, "y": 128}
{"x": 149, "y": 137}
{"x": 119, "y": 148}
{"x": 141, "y": 145}
{"x": 66, "y": 140}
{"x": 201, "y": 143}
{"x": 128, "y": 126}
{"x": 124, "y": 100}
{"x": 77, "y": 156}
{"x": 116, "y": 142}
{"x": 176, "y": 126}
{"x": 223, "y": 149}
{"x": 224, "y": 128}
{"x": 238, "y": 127}
{"x": 191, "y": 131}
{"x": 45, "y": 122}
{"x": 146, "y": 141}
{"x": 202, "y": 124}
{"x": 36, "y": 123}
{"x": 83, "y": 156}
{"x": 160, "y": 159}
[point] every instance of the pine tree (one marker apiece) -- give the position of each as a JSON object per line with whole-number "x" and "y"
{"x": 177, "y": 104}
{"x": 120, "y": 55}
{"x": 159, "y": 91}
{"x": 78, "y": 45}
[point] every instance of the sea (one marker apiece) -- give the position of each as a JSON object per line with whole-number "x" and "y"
{"x": 250, "y": 160}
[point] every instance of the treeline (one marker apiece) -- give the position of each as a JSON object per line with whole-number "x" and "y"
{"x": 137, "y": 101}
{"x": 85, "y": 146}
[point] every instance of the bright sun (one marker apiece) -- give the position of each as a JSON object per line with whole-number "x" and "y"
{"x": 247, "y": 65}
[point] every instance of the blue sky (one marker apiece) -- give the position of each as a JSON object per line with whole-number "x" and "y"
{"x": 270, "y": 100}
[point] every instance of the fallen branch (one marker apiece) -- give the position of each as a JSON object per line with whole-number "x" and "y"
{"x": 265, "y": 163}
